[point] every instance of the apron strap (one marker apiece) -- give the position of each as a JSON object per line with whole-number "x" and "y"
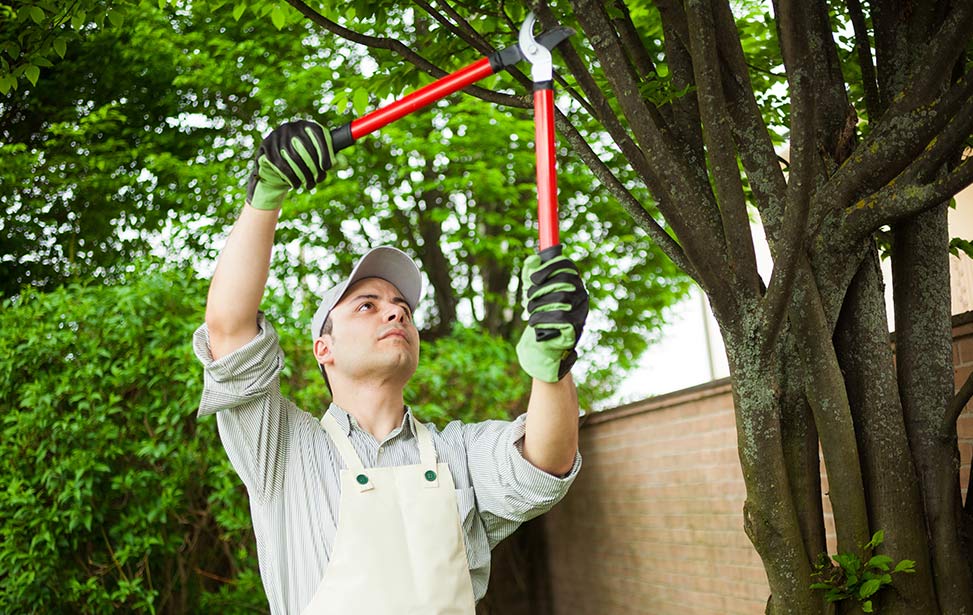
{"x": 427, "y": 455}
{"x": 347, "y": 451}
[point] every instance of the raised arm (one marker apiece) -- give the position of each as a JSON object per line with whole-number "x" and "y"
{"x": 238, "y": 284}
{"x": 558, "y": 306}
{"x": 295, "y": 154}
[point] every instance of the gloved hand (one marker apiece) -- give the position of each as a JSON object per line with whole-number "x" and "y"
{"x": 293, "y": 155}
{"x": 557, "y": 305}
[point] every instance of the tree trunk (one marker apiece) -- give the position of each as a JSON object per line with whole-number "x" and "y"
{"x": 801, "y": 454}
{"x": 770, "y": 517}
{"x": 825, "y": 390}
{"x": 892, "y": 493}
{"x": 920, "y": 266}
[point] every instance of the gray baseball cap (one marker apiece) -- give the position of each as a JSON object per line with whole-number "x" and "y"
{"x": 390, "y": 264}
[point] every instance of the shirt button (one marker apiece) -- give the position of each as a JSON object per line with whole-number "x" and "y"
{"x": 362, "y": 479}
{"x": 430, "y": 475}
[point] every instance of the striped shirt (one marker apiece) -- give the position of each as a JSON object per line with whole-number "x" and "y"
{"x": 291, "y": 470}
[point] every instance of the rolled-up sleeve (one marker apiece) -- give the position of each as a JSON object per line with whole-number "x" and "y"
{"x": 243, "y": 390}
{"x": 509, "y": 490}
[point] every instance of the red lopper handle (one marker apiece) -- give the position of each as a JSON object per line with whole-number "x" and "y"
{"x": 546, "y": 163}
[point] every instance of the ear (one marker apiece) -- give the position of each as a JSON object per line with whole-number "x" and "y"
{"x": 322, "y": 350}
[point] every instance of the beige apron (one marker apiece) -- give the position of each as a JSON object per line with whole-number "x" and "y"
{"x": 399, "y": 548}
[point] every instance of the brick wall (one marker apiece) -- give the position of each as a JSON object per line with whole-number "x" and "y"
{"x": 653, "y": 523}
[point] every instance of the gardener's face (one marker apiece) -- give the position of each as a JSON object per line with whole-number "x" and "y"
{"x": 372, "y": 335}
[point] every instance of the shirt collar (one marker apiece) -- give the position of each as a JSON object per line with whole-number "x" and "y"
{"x": 348, "y": 422}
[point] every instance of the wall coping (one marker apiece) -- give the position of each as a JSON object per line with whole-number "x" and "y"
{"x": 714, "y": 388}
{"x": 962, "y": 319}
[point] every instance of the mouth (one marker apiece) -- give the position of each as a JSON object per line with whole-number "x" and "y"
{"x": 394, "y": 333}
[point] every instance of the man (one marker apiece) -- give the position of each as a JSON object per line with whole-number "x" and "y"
{"x": 368, "y": 511}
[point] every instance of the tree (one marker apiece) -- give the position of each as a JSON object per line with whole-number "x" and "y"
{"x": 877, "y": 115}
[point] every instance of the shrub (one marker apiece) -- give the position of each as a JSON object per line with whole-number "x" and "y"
{"x": 115, "y": 499}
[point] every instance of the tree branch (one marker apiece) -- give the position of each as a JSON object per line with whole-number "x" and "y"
{"x": 943, "y": 49}
{"x": 720, "y": 147}
{"x": 909, "y": 194}
{"x": 863, "y": 48}
{"x": 756, "y": 149}
{"x": 685, "y": 109}
{"x": 956, "y": 406}
{"x": 828, "y": 398}
{"x": 883, "y": 154}
{"x": 602, "y": 111}
{"x": 595, "y": 104}
{"x": 461, "y": 28}
{"x": 790, "y": 250}
{"x": 641, "y": 63}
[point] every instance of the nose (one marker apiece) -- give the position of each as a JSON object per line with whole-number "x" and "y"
{"x": 396, "y": 312}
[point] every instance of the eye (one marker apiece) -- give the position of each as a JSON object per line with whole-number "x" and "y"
{"x": 364, "y": 306}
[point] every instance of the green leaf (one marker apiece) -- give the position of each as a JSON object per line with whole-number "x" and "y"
{"x": 849, "y": 562}
{"x": 32, "y": 73}
{"x": 906, "y": 565}
{"x": 238, "y": 10}
{"x": 867, "y": 606}
{"x": 359, "y": 101}
{"x": 78, "y": 20}
{"x": 13, "y": 49}
{"x": 277, "y": 17}
{"x": 876, "y": 540}
{"x": 869, "y": 587}
{"x": 37, "y": 14}
{"x": 882, "y": 562}
{"x": 116, "y": 18}
{"x": 957, "y": 245}
{"x": 60, "y": 46}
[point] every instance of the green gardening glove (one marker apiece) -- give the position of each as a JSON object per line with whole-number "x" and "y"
{"x": 294, "y": 155}
{"x": 557, "y": 306}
